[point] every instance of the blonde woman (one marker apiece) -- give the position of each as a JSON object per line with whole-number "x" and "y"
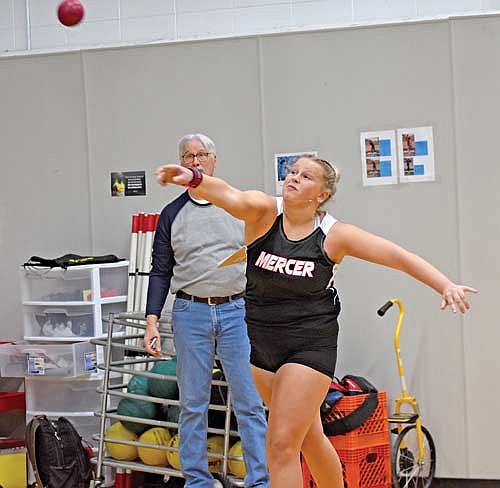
{"x": 292, "y": 306}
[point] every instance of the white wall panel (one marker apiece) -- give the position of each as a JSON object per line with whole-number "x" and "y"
{"x": 262, "y": 19}
{"x": 321, "y": 12}
{"x": 94, "y": 33}
{"x": 146, "y": 8}
{"x": 148, "y": 28}
{"x": 202, "y": 5}
{"x": 256, "y": 3}
{"x": 205, "y": 24}
{"x": 101, "y": 10}
{"x": 429, "y": 8}
{"x": 45, "y": 197}
{"x": 476, "y": 70}
{"x": 152, "y": 20}
{"x": 44, "y": 12}
{"x": 490, "y": 4}
{"x": 48, "y": 37}
{"x": 7, "y": 41}
{"x": 383, "y": 10}
{"x": 6, "y": 14}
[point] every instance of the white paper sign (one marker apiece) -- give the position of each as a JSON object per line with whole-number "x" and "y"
{"x": 416, "y": 154}
{"x": 378, "y": 157}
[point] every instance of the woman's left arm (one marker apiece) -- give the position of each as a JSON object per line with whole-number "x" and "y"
{"x": 349, "y": 240}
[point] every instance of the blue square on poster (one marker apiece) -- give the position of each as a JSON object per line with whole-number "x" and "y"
{"x": 385, "y": 147}
{"x": 385, "y": 168}
{"x": 419, "y": 169}
{"x": 421, "y": 148}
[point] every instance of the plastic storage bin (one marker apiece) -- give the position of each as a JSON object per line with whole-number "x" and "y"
{"x": 47, "y": 359}
{"x": 114, "y": 282}
{"x": 60, "y": 323}
{"x": 56, "y": 284}
{"x": 69, "y": 395}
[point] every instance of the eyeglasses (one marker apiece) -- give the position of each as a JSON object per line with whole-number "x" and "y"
{"x": 202, "y": 157}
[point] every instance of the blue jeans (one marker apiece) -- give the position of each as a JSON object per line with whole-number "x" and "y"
{"x": 201, "y": 330}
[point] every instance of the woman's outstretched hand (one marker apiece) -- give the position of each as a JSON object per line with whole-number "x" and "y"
{"x": 173, "y": 173}
{"x": 454, "y": 296}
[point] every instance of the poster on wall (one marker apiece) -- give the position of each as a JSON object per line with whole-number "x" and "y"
{"x": 378, "y": 157}
{"x": 128, "y": 183}
{"x": 416, "y": 154}
{"x": 282, "y": 162}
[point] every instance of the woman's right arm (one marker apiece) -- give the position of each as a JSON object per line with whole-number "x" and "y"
{"x": 252, "y": 206}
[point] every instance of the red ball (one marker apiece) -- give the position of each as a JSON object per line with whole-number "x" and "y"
{"x": 70, "y": 12}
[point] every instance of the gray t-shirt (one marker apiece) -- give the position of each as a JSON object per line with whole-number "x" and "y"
{"x": 202, "y": 236}
{"x": 191, "y": 239}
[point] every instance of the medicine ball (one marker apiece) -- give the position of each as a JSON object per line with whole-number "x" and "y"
{"x": 121, "y": 452}
{"x": 151, "y": 455}
{"x": 164, "y": 388}
{"x": 138, "y": 385}
{"x": 215, "y": 445}
{"x": 136, "y": 408}
{"x": 173, "y": 456}
{"x": 236, "y": 467}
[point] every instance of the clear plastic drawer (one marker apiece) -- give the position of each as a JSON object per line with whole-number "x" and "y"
{"x": 47, "y": 359}
{"x": 68, "y": 395}
{"x": 114, "y": 282}
{"x": 56, "y": 285}
{"x": 70, "y": 322}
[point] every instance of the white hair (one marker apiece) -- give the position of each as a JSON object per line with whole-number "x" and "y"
{"x": 208, "y": 144}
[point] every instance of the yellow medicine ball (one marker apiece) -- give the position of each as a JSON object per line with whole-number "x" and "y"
{"x": 236, "y": 467}
{"x": 215, "y": 444}
{"x": 151, "y": 455}
{"x": 122, "y": 452}
{"x": 173, "y": 456}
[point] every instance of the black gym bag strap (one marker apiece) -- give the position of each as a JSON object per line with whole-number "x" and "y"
{"x": 354, "y": 419}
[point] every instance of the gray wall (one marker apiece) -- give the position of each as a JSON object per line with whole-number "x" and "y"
{"x": 70, "y": 119}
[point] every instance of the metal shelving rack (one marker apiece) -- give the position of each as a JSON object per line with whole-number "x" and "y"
{"x": 130, "y": 321}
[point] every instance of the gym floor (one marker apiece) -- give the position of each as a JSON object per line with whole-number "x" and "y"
{"x": 456, "y": 483}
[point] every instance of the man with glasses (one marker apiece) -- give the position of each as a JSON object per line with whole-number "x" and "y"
{"x": 208, "y": 318}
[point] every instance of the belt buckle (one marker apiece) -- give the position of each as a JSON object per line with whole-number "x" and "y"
{"x": 209, "y": 301}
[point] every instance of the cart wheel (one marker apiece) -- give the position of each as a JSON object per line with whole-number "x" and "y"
{"x": 407, "y": 471}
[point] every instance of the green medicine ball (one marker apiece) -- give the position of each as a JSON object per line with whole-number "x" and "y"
{"x": 163, "y": 388}
{"x": 173, "y": 413}
{"x": 138, "y": 385}
{"x": 136, "y": 408}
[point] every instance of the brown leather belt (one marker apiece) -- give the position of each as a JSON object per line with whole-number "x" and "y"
{"x": 209, "y": 300}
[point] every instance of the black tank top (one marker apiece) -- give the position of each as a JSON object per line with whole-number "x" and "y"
{"x": 290, "y": 282}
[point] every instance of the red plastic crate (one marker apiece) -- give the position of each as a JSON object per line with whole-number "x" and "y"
{"x": 12, "y": 401}
{"x": 368, "y": 467}
{"x": 374, "y": 432}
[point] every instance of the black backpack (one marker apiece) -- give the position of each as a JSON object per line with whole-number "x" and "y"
{"x": 57, "y": 455}
{"x": 349, "y": 385}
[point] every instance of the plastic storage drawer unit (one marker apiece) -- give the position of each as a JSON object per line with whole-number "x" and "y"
{"x": 68, "y": 395}
{"x": 47, "y": 359}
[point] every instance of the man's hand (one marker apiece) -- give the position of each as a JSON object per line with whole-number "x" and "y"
{"x": 152, "y": 340}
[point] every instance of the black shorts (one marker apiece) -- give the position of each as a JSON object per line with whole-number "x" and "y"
{"x": 273, "y": 346}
